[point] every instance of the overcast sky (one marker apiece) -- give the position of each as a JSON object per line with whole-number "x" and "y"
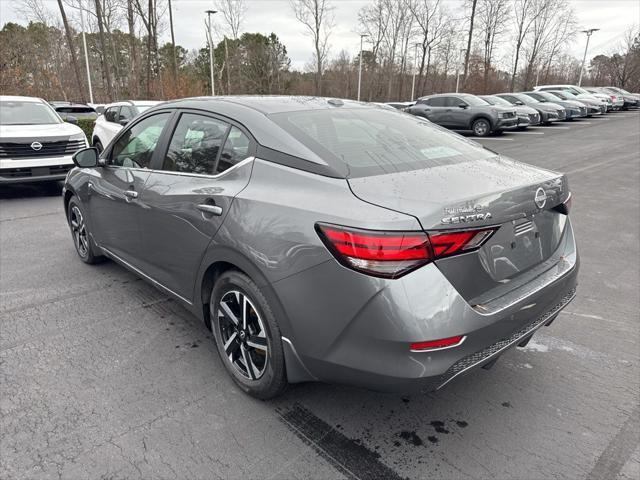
{"x": 613, "y": 17}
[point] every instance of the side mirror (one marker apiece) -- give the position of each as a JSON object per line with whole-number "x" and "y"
{"x": 71, "y": 119}
{"x": 123, "y": 122}
{"x": 518, "y": 102}
{"x": 463, "y": 105}
{"x": 86, "y": 158}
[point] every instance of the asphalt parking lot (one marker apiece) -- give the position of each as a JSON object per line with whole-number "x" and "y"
{"x": 102, "y": 376}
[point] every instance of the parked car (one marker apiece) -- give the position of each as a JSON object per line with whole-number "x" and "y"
{"x": 549, "y": 112}
{"x": 463, "y": 111}
{"x": 400, "y": 105}
{"x": 573, "y": 108}
{"x": 35, "y": 143}
{"x": 527, "y": 116}
{"x": 75, "y": 111}
{"x": 580, "y": 93}
{"x": 115, "y": 116}
{"x": 98, "y": 107}
{"x": 617, "y": 101}
{"x": 630, "y": 100}
{"x": 594, "y": 106}
{"x": 329, "y": 240}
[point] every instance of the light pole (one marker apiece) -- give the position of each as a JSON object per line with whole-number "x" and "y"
{"x": 586, "y": 47}
{"x": 210, "y": 38}
{"x": 415, "y": 67}
{"x": 86, "y": 57}
{"x": 462, "y": 51}
{"x": 362, "y": 35}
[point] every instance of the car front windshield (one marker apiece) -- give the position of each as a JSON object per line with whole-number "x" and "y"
{"x": 16, "y": 112}
{"x": 497, "y": 101}
{"x": 525, "y": 98}
{"x": 475, "y": 101}
{"x": 363, "y": 142}
{"x": 564, "y": 95}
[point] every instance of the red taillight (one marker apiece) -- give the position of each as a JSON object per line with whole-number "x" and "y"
{"x": 565, "y": 206}
{"x": 393, "y": 254}
{"x": 437, "y": 344}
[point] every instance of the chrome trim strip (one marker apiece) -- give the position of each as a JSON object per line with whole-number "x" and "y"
{"x": 464, "y": 337}
{"x": 511, "y": 344}
{"x": 142, "y": 274}
{"x": 187, "y": 174}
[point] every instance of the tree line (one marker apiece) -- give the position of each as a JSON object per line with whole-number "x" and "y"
{"x": 409, "y": 46}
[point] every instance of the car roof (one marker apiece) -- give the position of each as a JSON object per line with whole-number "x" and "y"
{"x": 131, "y": 102}
{"x": 16, "y": 98}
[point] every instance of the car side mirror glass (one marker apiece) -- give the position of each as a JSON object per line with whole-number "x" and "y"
{"x": 86, "y": 158}
{"x": 71, "y": 119}
{"x": 123, "y": 122}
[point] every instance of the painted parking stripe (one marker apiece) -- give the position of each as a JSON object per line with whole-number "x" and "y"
{"x": 559, "y": 128}
{"x": 499, "y": 139}
{"x": 583, "y": 123}
{"x": 525, "y": 133}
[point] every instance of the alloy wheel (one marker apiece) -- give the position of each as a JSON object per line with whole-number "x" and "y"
{"x": 481, "y": 128}
{"x": 79, "y": 231}
{"x": 243, "y": 335}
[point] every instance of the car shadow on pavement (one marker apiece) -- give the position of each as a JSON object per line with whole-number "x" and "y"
{"x": 31, "y": 190}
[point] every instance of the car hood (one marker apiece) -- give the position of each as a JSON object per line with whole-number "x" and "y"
{"x": 56, "y": 131}
{"x": 523, "y": 109}
{"x": 499, "y": 185}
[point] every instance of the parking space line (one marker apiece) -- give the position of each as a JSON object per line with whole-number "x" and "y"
{"x": 580, "y": 122}
{"x": 559, "y": 128}
{"x": 526, "y": 133}
{"x": 495, "y": 138}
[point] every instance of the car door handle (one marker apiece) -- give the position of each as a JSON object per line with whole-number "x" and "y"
{"x": 212, "y": 209}
{"x": 131, "y": 194}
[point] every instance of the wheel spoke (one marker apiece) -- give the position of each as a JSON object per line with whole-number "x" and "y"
{"x": 246, "y": 358}
{"x": 74, "y": 223}
{"x": 231, "y": 346}
{"x": 244, "y": 312}
{"x": 259, "y": 343}
{"x": 228, "y": 313}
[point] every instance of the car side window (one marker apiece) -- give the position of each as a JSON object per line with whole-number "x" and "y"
{"x": 437, "y": 101}
{"x": 126, "y": 113}
{"x": 454, "y": 101}
{"x": 111, "y": 114}
{"x": 195, "y": 144}
{"x": 236, "y": 149}
{"x": 509, "y": 98}
{"x": 135, "y": 147}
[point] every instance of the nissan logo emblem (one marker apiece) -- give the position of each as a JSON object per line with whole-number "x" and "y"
{"x": 541, "y": 198}
{"x": 36, "y": 146}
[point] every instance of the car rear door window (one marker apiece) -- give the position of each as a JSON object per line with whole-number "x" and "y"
{"x": 111, "y": 114}
{"x": 195, "y": 144}
{"x": 437, "y": 101}
{"x": 236, "y": 149}
{"x": 135, "y": 147}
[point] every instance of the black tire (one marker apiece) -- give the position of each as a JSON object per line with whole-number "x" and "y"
{"x": 98, "y": 146}
{"x": 261, "y": 380}
{"x": 82, "y": 242}
{"x": 481, "y": 127}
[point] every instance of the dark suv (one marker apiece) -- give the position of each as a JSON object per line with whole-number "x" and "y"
{"x": 465, "y": 112}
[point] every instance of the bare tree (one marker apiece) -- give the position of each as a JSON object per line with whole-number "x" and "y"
{"x": 233, "y": 13}
{"x": 72, "y": 50}
{"x": 524, "y": 16}
{"x": 318, "y": 20}
{"x": 374, "y": 22}
{"x": 430, "y": 28}
{"x": 492, "y": 17}
{"x": 103, "y": 51}
{"x": 468, "y": 52}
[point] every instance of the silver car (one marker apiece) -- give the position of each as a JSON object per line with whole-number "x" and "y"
{"x": 329, "y": 240}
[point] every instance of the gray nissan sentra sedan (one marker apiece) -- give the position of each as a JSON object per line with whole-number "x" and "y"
{"x": 329, "y": 240}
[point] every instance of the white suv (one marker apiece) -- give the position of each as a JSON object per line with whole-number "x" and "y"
{"x": 35, "y": 144}
{"x": 605, "y": 100}
{"x": 115, "y": 116}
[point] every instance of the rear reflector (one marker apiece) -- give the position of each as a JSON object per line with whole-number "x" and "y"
{"x": 391, "y": 254}
{"x": 437, "y": 344}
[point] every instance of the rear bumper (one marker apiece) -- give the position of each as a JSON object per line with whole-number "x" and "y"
{"x": 356, "y": 330}
{"x": 34, "y": 169}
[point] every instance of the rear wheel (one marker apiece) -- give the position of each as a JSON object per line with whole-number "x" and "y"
{"x": 481, "y": 127}
{"x": 247, "y": 335}
{"x": 80, "y": 233}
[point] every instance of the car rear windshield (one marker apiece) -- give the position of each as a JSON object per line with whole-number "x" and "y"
{"x": 26, "y": 113}
{"x": 366, "y": 142}
{"x": 75, "y": 110}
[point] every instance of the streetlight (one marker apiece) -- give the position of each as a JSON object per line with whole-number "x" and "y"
{"x": 210, "y": 38}
{"x": 362, "y": 35}
{"x": 588, "y": 32}
{"x": 462, "y": 51}
{"x": 415, "y": 66}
